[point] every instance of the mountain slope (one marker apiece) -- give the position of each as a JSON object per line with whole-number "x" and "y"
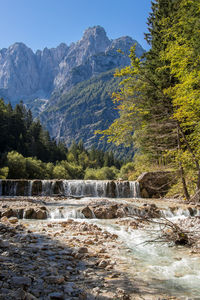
{"x": 68, "y": 87}
{"x": 78, "y": 113}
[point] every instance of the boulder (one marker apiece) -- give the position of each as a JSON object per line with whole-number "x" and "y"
{"x": 156, "y": 184}
{"x": 35, "y": 213}
{"x": 106, "y": 211}
{"x": 9, "y": 213}
{"x": 41, "y": 214}
{"x": 87, "y": 212}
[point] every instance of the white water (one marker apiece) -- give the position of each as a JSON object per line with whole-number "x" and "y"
{"x": 71, "y": 188}
{"x": 65, "y": 213}
{"x": 169, "y": 270}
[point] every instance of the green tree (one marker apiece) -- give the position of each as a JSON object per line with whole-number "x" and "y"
{"x": 182, "y": 46}
{"x": 17, "y": 165}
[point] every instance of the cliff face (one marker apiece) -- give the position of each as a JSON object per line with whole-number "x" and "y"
{"x": 51, "y": 82}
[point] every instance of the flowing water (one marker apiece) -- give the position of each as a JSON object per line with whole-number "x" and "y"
{"x": 70, "y": 188}
{"x": 170, "y": 270}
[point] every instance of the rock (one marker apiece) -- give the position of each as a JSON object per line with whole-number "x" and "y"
{"x": 13, "y": 220}
{"x": 29, "y": 213}
{"x": 156, "y": 184}
{"x": 87, "y": 212}
{"x": 4, "y": 219}
{"x": 4, "y": 244}
{"x": 106, "y": 211}
{"x": 35, "y": 213}
{"x": 55, "y": 279}
{"x": 41, "y": 214}
{"x": 9, "y": 213}
{"x": 41, "y": 75}
{"x": 103, "y": 263}
{"x": 21, "y": 281}
{"x": 56, "y": 296}
{"x": 69, "y": 288}
{"x": 83, "y": 250}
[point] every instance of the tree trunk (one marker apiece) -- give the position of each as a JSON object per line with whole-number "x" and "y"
{"x": 193, "y": 156}
{"x": 185, "y": 190}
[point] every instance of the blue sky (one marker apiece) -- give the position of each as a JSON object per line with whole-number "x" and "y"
{"x": 41, "y": 23}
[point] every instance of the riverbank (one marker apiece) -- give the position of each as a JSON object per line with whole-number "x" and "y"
{"x": 72, "y": 258}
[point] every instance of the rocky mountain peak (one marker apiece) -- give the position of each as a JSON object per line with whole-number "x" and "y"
{"x": 25, "y": 74}
{"x": 95, "y": 39}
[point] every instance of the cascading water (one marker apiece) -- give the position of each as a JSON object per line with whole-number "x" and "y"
{"x": 70, "y": 188}
{"x": 47, "y": 187}
{"x": 170, "y": 270}
{"x": 30, "y": 185}
{"x": 65, "y": 213}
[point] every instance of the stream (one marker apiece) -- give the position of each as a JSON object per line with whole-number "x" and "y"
{"x": 170, "y": 269}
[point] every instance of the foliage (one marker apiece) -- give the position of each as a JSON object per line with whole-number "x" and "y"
{"x": 4, "y": 172}
{"x": 26, "y": 150}
{"x": 101, "y": 174}
{"x": 126, "y": 170}
{"x": 16, "y": 164}
{"x": 159, "y": 100}
{"x": 18, "y": 132}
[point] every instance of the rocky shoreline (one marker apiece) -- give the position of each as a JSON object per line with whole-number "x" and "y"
{"x": 68, "y": 259}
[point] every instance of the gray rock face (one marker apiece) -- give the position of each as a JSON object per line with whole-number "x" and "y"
{"x": 18, "y": 71}
{"x": 68, "y": 87}
{"x": 26, "y": 75}
{"x": 48, "y": 62}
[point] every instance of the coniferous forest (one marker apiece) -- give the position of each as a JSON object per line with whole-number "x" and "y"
{"x": 27, "y": 151}
{"x": 159, "y": 100}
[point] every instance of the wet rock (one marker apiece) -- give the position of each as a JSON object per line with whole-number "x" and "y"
{"x": 87, "y": 212}
{"x": 37, "y": 188}
{"x": 9, "y": 213}
{"x": 35, "y": 213}
{"x": 106, "y": 212}
{"x": 13, "y": 220}
{"x": 41, "y": 214}
{"x": 151, "y": 211}
{"x": 29, "y": 213}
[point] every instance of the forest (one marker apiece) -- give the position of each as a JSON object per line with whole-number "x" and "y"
{"x": 159, "y": 97}
{"x": 27, "y": 151}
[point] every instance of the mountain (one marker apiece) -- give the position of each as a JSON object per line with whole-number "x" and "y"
{"x": 68, "y": 87}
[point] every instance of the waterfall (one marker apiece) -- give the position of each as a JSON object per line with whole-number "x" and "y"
{"x": 70, "y": 188}
{"x": 135, "y": 189}
{"x": 10, "y": 188}
{"x": 30, "y": 185}
{"x": 65, "y": 213}
{"x": 181, "y": 212}
{"x": 47, "y": 187}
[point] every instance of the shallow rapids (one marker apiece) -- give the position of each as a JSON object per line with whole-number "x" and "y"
{"x": 171, "y": 270}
